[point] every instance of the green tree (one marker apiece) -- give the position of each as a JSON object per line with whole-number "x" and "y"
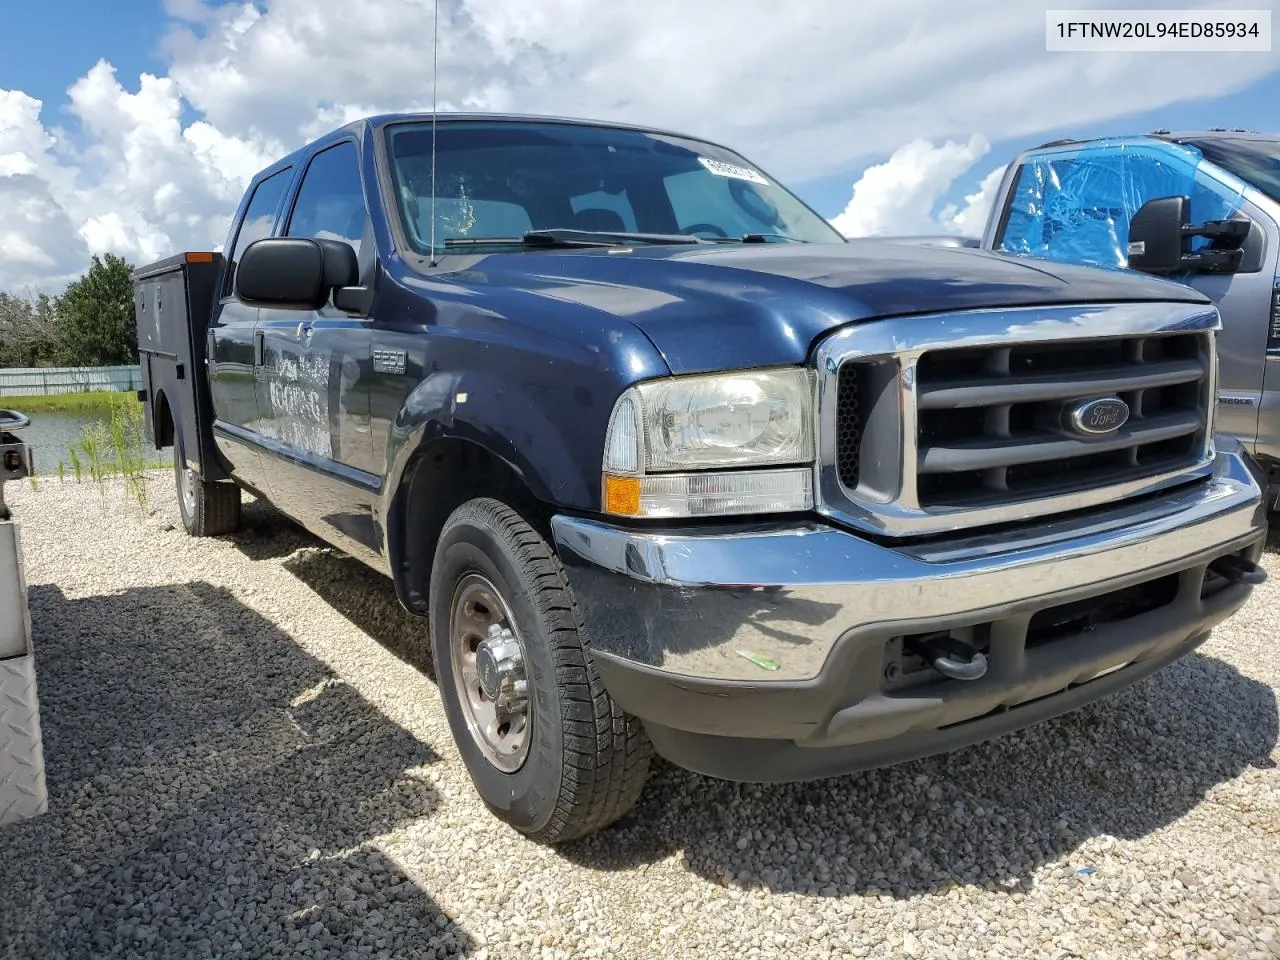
{"x": 29, "y": 333}
{"x": 95, "y": 316}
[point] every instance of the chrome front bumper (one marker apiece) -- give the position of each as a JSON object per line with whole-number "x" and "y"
{"x": 767, "y": 603}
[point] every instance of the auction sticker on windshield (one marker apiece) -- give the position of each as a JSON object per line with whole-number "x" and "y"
{"x": 722, "y": 169}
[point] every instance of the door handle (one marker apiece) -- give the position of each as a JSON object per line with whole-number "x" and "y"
{"x": 259, "y": 348}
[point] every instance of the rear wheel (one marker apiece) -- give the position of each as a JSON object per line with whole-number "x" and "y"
{"x": 548, "y": 750}
{"x": 207, "y": 509}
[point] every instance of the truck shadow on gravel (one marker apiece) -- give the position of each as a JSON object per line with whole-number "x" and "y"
{"x": 988, "y": 815}
{"x": 368, "y": 600}
{"x": 213, "y": 789}
{"x": 267, "y": 534}
{"x": 365, "y": 597}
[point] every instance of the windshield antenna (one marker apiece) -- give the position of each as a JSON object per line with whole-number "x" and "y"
{"x": 435, "y": 77}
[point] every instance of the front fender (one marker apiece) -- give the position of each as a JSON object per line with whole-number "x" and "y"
{"x": 482, "y": 408}
{"x": 555, "y": 458}
{"x": 529, "y": 379}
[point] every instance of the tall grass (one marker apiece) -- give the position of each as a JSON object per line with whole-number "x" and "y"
{"x": 116, "y": 446}
{"x": 93, "y": 445}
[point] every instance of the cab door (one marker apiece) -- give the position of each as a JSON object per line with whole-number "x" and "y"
{"x": 314, "y": 399}
{"x": 234, "y": 348}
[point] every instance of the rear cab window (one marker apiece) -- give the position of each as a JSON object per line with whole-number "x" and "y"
{"x": 259, "y": 218}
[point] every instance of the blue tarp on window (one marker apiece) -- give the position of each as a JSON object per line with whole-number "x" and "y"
{"x": 1074, "y": 205}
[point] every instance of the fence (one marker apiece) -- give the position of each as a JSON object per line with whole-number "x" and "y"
{"x": 43, "y": 381}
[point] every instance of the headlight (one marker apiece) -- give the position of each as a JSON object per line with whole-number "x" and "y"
{"x": 747, "y": 419}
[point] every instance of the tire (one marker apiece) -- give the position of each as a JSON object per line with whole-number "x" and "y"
{"x": 207, "y": 509}
{"x": 585, "y": 761}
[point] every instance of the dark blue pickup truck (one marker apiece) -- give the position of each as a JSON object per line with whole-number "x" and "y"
{"x": 666, "y": 464}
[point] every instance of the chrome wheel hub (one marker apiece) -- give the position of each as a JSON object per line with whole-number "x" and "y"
{"x": 500, "y": 666}
{"x": 489, "y": 673}
{"x": 187, "y": 489}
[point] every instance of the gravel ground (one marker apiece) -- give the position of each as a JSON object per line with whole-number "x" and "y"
{"x": 243, "y": 759}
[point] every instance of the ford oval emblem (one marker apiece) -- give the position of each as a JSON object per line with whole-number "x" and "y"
{"x": 1103, "y": 415}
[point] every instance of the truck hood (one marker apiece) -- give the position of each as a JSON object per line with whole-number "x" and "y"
{"x": 715, "y": 307}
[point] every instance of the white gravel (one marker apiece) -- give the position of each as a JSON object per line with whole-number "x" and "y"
{"x": 242, "y": 760}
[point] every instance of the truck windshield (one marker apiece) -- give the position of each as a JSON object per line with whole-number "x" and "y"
{"x": 502, "y": 179}
{"x": 1256, "y": 162}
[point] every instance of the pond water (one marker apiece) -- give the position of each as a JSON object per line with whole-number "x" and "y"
{"x": 52, "y": 434}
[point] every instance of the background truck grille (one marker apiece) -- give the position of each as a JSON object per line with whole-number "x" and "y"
{"x": 992, "y": 421}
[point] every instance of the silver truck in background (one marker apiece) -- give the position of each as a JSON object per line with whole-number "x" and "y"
{"x": 1202, "y": 208}
{"x": 22, "y": 783}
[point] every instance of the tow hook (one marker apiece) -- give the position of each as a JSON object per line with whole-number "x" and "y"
{"x": 950, "y": 657}
{"x": 1238, "y": 570}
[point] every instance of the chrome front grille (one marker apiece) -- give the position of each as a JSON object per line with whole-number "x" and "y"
{"x": 993, "y": 423}
{"x": 937, "y": 423}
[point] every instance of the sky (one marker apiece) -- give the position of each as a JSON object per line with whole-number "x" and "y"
{"x": 133, "y": 126}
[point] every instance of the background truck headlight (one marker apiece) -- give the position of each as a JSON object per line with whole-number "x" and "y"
{"x": 670, "y": 441}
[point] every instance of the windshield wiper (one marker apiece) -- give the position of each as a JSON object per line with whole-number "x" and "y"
{"x": 563, "y": 237}
{"x": 757, "y": 238}
{"x": 557, "y": 235}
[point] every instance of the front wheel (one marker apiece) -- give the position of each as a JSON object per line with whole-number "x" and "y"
{"x": 207, "y": 509}
{"x": 548, "y": 750}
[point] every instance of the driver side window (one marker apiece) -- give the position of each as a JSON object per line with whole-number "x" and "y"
{"x": 259, "y": 217}
{"x": 330, "y": 204}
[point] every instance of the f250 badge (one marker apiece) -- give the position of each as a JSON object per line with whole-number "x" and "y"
{"x": 388, "y": 361}
{"x": 1103, "y": 415}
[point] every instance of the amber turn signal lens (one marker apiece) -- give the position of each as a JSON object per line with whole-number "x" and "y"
{"x": 199, "y": 256}
{"x": 622, "y": 495}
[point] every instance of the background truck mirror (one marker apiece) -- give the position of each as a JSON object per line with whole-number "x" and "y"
{"x": 1155, "y": 235}
{"x": 1160, "y": 236}
{"x": 293, "y": 273}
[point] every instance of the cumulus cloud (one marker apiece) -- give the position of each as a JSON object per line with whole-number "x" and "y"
{"x": 898, "y": 196}
{"x": 22, "y": 139}
{"x": 901, "y": 195}
{"x": 970, "y": 219}
{"x": 38, "y": 241}
{"x": 806, "y": 89}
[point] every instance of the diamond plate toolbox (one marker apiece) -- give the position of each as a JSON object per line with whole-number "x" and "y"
{"x": 22, "y": 783}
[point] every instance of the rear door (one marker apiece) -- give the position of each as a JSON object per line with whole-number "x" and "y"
{"x": 314, "y": 401}
{"x": 234, "y": 351}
